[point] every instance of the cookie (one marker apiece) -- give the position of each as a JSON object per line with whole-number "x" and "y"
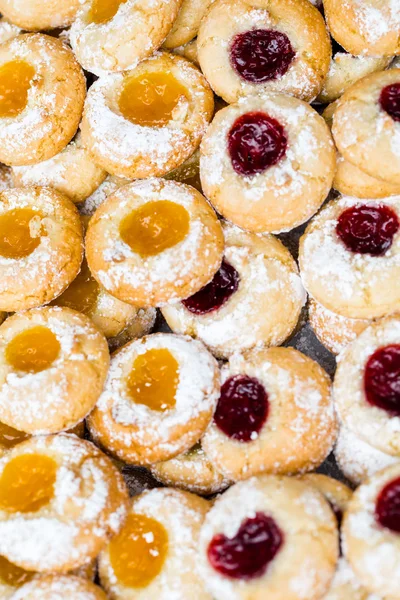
{"x": 51, "y": 587}
{"x": 187, "y": 23}
{"x": 33, "y": 15}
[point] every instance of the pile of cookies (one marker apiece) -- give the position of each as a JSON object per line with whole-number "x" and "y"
{"x": 154, "y": 153}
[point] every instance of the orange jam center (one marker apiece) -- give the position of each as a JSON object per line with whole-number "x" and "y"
{"x": 12, "y": 575}
{"x": 155, "y": 227}
{"x": 27, "y": 483}
{"x": 138, "y": 552}
{"x": 82, "y": 293}
{"x": 33, "y": 350}
{"x": 104, "y": 10}
{"x": 154, "y": 379}
{"x": 150, "y": 99}
{"x": 10, "y": 437}
{"x": 15, "y": 81}
{"x": 16, "y": 229}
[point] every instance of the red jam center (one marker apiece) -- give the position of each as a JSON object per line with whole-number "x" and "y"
{"x": 248, "y": 554}
{"x": 261, "y": 55}
{"x": 216, "y": 293}
{"x": 242, "y": 408}
{"x": 390, "y": 100}
{"x": 382, "y": 379}
{"x": 366, "y": 229}
{"x": 387, "y": 508}
{"x": 255, "y": 143}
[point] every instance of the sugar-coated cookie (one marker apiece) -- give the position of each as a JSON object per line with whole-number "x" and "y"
{"x": 187, "y": 23}
{"x": 337, "y": 493}
{"x": 33, "y": 15}
{"x": 188, "y": 51}
{"x": 141, "y": 324}
{"x": 53, "y": 587}
{"x": 105, "y": 189}
{"x": 346, "y": 586}
{"x": 8, "y": 30}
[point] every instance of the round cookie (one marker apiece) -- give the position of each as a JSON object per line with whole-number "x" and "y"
{"x": 334, "y": 331}
{"x": 40, "y": 246}
{"x": 192, "y": 471}
{"x": 267, "y": 163}
{"x": 188, "y": 51}
{"x": 253, "y": 46}
{"x": 105, "y": 189}
{"x": 345, "y": 585}
{"x": 147, "y": 121}
{"x": 371, "y": 533}
{"x": 8, "y": 30}
{"x": 274, "y": 415}
{"x": 365, "y": 27}
{"x": 254, "y": 300}
{"x": 153, "y": 242}
{"x": 366, "y": 125}
{"x": 141, "y": 324}
{"x": 155, "y": 553}
{"x": 253, "y": 541}
{"x": 33, "y": 15}
{"x": 53, "y": 365}
{"x": 350, "y": 257}
{"x": 187, "y": 23}
{"x": 71, "y": 172}
{"x": 158, "y": 399}
{"x": 337, "y": 493}
{"x": 366, "y": 386}
{"x": 52, "y": 587}
{"x": 43, "y": 90}
{"x": 61, "y": 500}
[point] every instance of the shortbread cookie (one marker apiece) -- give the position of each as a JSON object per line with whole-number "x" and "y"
{"x": 115, "y": 36}
{"x": 33, "y": 15}
{"x": 269, "y": 537}
{"x": 61, "y": 500}
{"x": 350, "y": 257}
{"x": 53, "y": 587}
{"x": 147, "y": 121}
{"x": 274, "y": 415}
{"x": 153, "y": 242}
{"x": 159, "y": 397}
{"x": 253, "y": 46}
{"x": 53, "y": 364}
{"x": 254, "y": 299}
{"x": 267, "y": 164}
{"x": 337, "y": 493}
{"x": 43, "y": 90}
{"x": 187, "y": 23}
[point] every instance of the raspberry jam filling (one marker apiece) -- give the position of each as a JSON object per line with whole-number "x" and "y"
{"x": 390, "y": 100}
{"x": 256, "y": 142}
{"x": 247, "y": 554}
{"x": 382, "y": 379}
{"x": 261, "y": 55}
{"x": 387, "y": 508}
{"x": 242, "y": 408}
{"x": 216, "y": 293}
{"x": 368, "y": 229}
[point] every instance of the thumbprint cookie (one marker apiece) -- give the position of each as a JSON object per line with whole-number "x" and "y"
{"x": 153, "y": 242}
{"x": 274, "y": 415}
{"x": 8, "y": 30}
{"x": 115, "y": 35}
{"x": 371, "y": 530}
{"x": 334, "y": 331}
{"x": 269, "y": 537}
{"x": 155, "y": 553}
{"x": 187, "y": 23}
{"x": 367, "y": 383}
{"x": 42, "y": 92}
{"x": 55, "y": 587}
{"x": 254, "y": 299}
{"x": 53, "y": 364}
{"x": 366, "y": 125}
{"x": 71, "y": 172}
{"x": 33, "y": 15}
{"x": 192, "y": 471}
{"x": 147, "y": 121}
{"x": 40, "y": 246}
{"x": 254, "y": 46}
{"x": 61, "y": 500}
{"x": 350, "y": 257}
{"x": 105, "y": 189}
{"x": 158, "y": 399}
{"x": 358, "y": 459}
{"x": 267, "y": 164}
{"x": 365, "y": 27}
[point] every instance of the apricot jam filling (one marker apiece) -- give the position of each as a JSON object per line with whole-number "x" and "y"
{"x": 138, "y": 552}
{"x": 27, "y": 483}
{"x": 82, "y": 293}
{"x": 15, "y": 82}
{"x": 10, "y": 437}
{"x": 155, "y": 227}
{"x": 12, "y": 575}
{"x": 19, "y": 235}
{"x": 150, "y": 99}
{"x": 153, "y": 380}
{"x": 103, "y": 11}
{"x": 33, "y": 350}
